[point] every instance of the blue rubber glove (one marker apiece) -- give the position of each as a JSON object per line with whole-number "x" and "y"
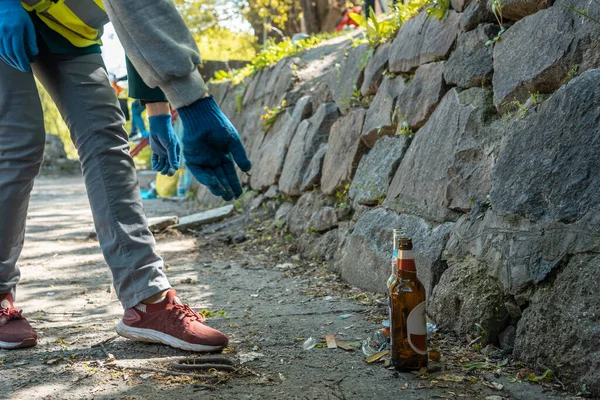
{"x": 210, "y": 145}
{"x": 166, "y": 150}
{"x": 17, "y": 35}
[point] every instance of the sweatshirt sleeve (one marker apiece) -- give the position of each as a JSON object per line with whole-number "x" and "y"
{"x": 160, "y": 46}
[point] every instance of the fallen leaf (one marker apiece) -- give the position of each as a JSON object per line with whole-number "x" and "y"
{"x": 377, "y": 356}
{"x": 331, "y": 342}
{"x": 450, "y": 378}
{"x": 344, "y": 346}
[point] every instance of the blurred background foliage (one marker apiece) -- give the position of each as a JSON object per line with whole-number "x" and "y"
{"x": 234, "y": 30}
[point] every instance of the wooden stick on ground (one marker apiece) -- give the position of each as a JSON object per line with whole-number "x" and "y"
{"x": 167, "y": 372}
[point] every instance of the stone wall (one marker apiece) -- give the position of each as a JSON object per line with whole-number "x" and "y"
{"x": 498, "y": 184}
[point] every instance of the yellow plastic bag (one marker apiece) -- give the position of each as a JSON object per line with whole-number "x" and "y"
{"x": 166, "y": 186}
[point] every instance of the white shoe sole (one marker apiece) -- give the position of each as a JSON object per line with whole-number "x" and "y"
{"x": 150, "y": 335}
{"x": 17, "y": 345}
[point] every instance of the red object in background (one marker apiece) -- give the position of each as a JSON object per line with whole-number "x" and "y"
{"x": 346, "y": 20}
{"x": 135, "y": 151}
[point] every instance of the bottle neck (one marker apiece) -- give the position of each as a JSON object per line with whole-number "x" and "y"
{"x": 406, "y": 261}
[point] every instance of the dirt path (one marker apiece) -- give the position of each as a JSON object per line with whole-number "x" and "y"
{"x": 267, "y": 310}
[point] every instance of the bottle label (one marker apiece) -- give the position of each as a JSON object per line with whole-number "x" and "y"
{"x": 405, "y": 254}
{"x": 416, "y": 328}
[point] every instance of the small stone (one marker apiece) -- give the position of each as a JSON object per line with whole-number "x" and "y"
{"x": 272, "y": 192}
{"x": 285, "y": 266}
{"x": 239, "y": 238}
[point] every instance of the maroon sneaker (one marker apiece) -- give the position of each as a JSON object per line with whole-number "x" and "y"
{"x": 15, "y": 331}
{"x": 172, "y": 323}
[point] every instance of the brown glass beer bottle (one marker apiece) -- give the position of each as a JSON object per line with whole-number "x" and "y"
{"x": 408, "y": 325}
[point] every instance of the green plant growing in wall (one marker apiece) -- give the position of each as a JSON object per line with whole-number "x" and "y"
{"x": 374, "y": 30}
{"x": 378, "y": 32}
{"x": 271, "y": 115}
{"x": 239, "y": 102}
{"x": 439, "y": 9}
{"x": 341, "y": 197}
{"x": 365, "y": 58}
{"x": 535, "y": 97}
{"x": 355, "y": 100}
{"x": 572, "y": 73}
{"x": 271, "y": 55}
{"x": 520, "y": 107}
{"x": 404, "y": 129}
{"x": 497, "y": 11}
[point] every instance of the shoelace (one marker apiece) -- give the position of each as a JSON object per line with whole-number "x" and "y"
{"x": 10, "y": 313}
{"x": 186, "y": 311}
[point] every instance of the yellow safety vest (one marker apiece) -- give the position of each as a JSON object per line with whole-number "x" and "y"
{"x": 81, "y": 22}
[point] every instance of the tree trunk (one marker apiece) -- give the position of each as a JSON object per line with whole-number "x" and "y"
{"x": 322, "y": 15}
{"x": 311, "y": 16}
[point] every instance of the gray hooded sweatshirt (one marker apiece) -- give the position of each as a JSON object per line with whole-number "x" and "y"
{"x": 160, "y": 46}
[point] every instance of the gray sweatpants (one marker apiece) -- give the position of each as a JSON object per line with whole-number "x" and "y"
{"x": 80, "y": 88}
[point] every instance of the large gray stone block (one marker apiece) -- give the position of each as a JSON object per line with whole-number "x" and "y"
{"x": 376, "y": 170}
{"x": 459, "y": 5}
{"x": 472, "y": 63}
{"x": 252, "y": 131}
{"x": 536, "y": 54}
{"x": 475, "y": 13}
{"x": 561, "y": 327}
{"x": 251, "y": 84}
{"x": 466, "y": 294}
{"x": 379, "y": 119}
{"x": 374, "y": 69}
{"x": 518, "y": 252}
{"x": 314, "y": 246}
{"x": 449, "y": 161}
{"x": 367, "y": 256}
{"x": 219, "y": 90}
{"x": 346, "y": 77}
{"x": 422, "y": 95}
{"x": 304, "y": 210}
{"x": 268, "y": 162}
{"x": 422, "y": 40}
{"x": 280, "y": 82}
{"x": 517, "y": 9}
{"x": 323, "y": 220}
{"x": 344, "y": 151}
{"x": 206, "y": 198}
{"x": 550, "y": 167}
{"x": 310, "y": 135}
{"x": 312, "y": 176}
